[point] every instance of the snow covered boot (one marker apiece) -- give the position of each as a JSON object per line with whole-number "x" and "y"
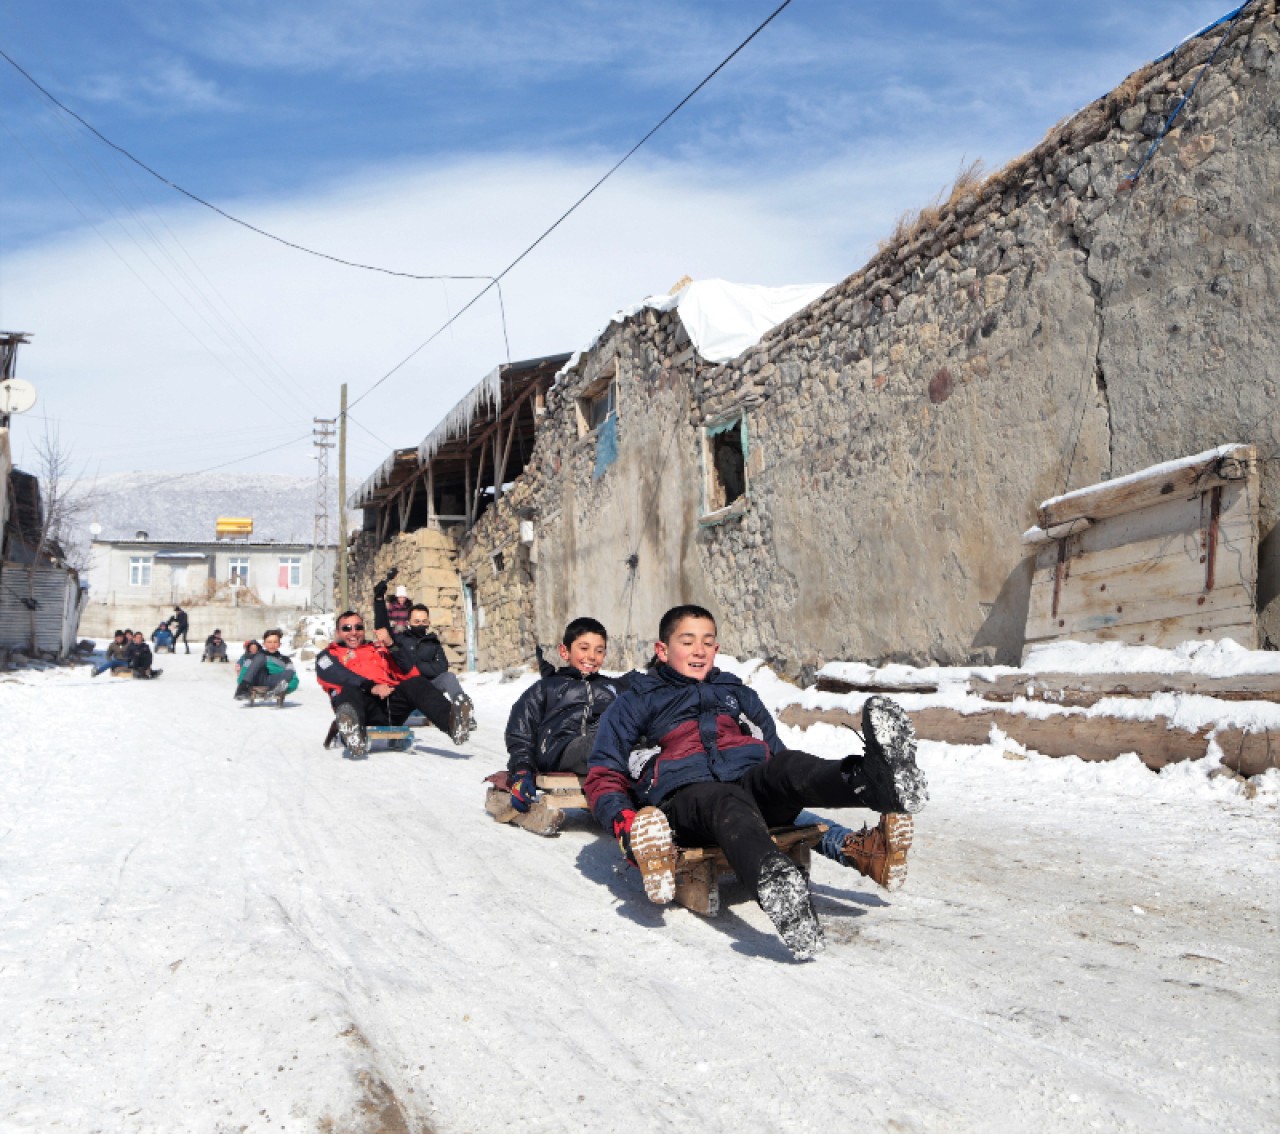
{"x": 352, "y": 731}
{"x": 461, "y": 720}
{"x": 654, "y": 850}
{"x": 878, "y": 853}
{"x": 783, "y": 892}
{"x": 888, "y": 764}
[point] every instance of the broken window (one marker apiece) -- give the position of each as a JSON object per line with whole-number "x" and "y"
{"x": 597, "y": 404}
{"x": 725, "y": 459}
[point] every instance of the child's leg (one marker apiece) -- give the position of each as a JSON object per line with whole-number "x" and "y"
{"x": 723, "y": 815}
{"x": 576, "y": 755}
{"x": 790, "y": 781}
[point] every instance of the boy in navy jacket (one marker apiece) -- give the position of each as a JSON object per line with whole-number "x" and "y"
{"x": 711, "y": 770}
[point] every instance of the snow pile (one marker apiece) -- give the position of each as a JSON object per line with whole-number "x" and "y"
{"x": 723, "y": 319}
{"x": 1222, "y": 659}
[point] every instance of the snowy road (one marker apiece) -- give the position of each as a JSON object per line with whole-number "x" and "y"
{"x": 211, "y": 924}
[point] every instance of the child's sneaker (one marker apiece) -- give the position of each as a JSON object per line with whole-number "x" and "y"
{"x": 783, "y": 891}
{"x": 880, "y": 852}
{"x": 889, "y": 761}
{"x": 654, "y": 850}
{"x": 352, "y": 731}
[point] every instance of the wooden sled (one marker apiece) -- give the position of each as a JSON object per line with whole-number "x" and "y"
{"x": 263, "y": 693}
{"x": 397, "y": 737}
{"x": 557, "y": 793}
{"x": 131, "y": 674}
{"x": 699, "y": 870}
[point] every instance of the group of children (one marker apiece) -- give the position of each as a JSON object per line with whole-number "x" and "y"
{"x": 685, "y": 754}
{"x": 127, "y": 650}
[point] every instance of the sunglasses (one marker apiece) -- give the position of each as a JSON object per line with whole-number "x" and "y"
{"x": 352, "y": 626}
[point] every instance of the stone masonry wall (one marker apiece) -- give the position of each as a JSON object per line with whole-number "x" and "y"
{"x": 1041, "y": 331}
{"x": 427, "y": 563}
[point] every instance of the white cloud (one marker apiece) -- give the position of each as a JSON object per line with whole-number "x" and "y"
{"x": 163, "y": 87}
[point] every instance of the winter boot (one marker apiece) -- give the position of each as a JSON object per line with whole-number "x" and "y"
{"x": 243, "y": 693}
{"x": 878, "y": 853}
{"x": 655, "y": 853}
{"x": 888, "y": 764}
{"x": 332, "y": 734}
{"x": 461, "y": 722}
{"x": 783, "y": 892}
{"x": 352, "y": 731}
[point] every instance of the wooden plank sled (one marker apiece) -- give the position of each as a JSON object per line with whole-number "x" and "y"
{"x": 397, "y": 737}
{"x": 699, "y": 870}
{"x": 263, "y": 693}
{"x": 558, "y": 792}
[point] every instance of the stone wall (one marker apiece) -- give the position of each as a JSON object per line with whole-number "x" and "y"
{"x": 427, "y": 564}
{"x": 1042, "y": 330}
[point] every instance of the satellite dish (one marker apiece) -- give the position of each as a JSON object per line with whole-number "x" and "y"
{"x": 16, "y": 396}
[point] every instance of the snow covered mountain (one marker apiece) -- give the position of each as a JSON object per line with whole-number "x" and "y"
{"x": 169, "y": 506}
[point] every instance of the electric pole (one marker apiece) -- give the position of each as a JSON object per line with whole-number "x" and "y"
{"x": 321, "y": 577}
{"x": 342, "y": 504}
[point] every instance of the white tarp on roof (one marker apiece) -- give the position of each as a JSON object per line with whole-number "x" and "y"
{"x": 723, "y": 319}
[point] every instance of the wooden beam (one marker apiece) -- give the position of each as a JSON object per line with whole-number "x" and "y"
{"x": 431, "y": 494}
{"x": 1084, "y": 689}
{"x": 1127, "y": 494}
{"x": 1155, "y": 741}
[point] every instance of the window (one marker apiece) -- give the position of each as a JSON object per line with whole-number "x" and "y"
{"x": 597, "y": 404}
{"x": 725, "y": 462}
{"x": 239, "y": 576}
{"x": 290, "y": 572}
{"x": 140, "y": 570}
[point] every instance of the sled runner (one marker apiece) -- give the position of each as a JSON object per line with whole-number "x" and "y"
{"x": 398, "y": 738}
{"x": 263, "y": 693}
{"x": 131, "y": 673}
{"x": 557, "y": 793}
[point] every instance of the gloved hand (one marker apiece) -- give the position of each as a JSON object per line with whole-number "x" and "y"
{"x": 380, "y": 589}
{"x": 622, "y": 832}
{"x": 524, "y": 789}
{"x": 545, "y": 668}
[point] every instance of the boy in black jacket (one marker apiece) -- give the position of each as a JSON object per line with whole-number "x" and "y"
{"x": 553, "y": 725}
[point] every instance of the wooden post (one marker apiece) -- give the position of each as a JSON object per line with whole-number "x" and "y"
{"x": 466, "y": 500}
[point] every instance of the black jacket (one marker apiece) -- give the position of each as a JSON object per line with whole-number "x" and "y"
{"x": 423, "y": 651}
{"x": 140, "y": 657}
{"x": 555, "y": 710}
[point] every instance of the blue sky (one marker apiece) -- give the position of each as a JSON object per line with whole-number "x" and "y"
{"x": 440, "y": 138}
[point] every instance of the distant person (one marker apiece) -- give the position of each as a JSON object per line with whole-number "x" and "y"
{"x": 416, "y": 647}
{"x": 162, "y": 638}
{"x": 180, "y": 622}
{"x": 215, "y": 648}
{"x": 398, "y": 610}
{"x": 251, "y": 649}
{"x": 268, "y": 669}
{"x": 116, "y": 654}
{"x": 139, "y": 655}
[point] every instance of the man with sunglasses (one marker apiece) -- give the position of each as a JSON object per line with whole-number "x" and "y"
{"x": 367, "y": 686}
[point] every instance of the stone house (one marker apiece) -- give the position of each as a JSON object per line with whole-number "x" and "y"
{"x": 854, "y": 485}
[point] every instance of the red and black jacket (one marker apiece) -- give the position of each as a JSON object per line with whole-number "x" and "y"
{"x": 696, "y": 731}
{"x": 341, "y": 667}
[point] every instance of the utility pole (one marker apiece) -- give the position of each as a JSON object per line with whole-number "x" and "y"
{"x": 321, "y": 576}
{"x": 343, "y": 604}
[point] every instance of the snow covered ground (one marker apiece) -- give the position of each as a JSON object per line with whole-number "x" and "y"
{"x": 211, "y": 924}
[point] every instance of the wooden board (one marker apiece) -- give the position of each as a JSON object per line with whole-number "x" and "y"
{"x": 1089, "y": 738}
{"x": 1083, "y": 689}
{"x": 839, "y": 685}
{"x": 699, "y": 869}
{"x": 1181, "y": 568}
{"x": 1129, "y": 494}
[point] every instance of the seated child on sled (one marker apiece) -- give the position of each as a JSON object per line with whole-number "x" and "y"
{"x": 553, "y": 725}
{"x": 367, "y": 686}
{"x": 117, "y": 651}
{"x": 162, "y": 638}
{"x": 139, "y": 657}
{"x": 722, "y": 777}
{"x": 267, "y": 669}
{"x": 215, "y": 648}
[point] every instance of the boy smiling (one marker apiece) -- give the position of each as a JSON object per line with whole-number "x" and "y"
{"x": 720, "y": 776}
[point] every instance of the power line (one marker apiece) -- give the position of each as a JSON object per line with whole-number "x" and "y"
{"x": 576, "y": 204}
